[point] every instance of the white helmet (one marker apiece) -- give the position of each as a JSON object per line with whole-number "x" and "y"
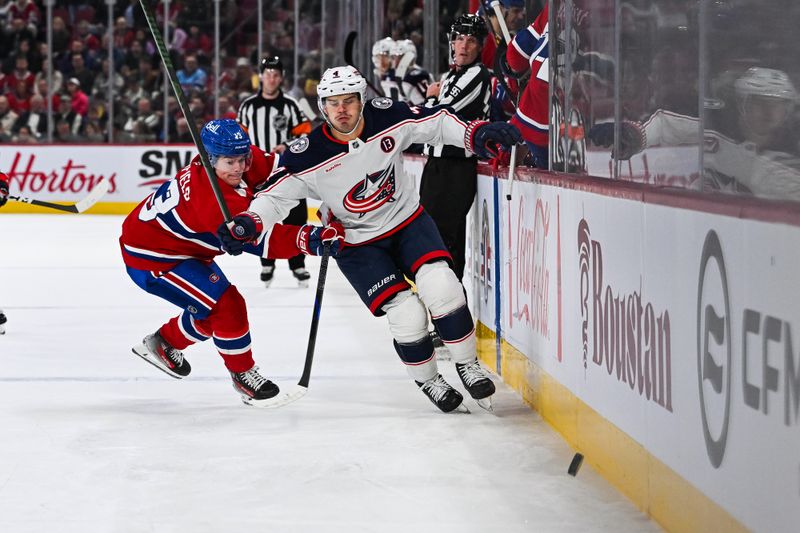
{"x": 403, "y": 47}
{"x": 381, "y": 48}
{"x": 340, "y": 80}
{"x": 759, "y": 81}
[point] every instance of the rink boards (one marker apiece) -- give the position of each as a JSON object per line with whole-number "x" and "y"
{"x": 657, "y": 331}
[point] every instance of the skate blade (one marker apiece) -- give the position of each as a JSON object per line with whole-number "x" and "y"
{"x": 267, "y": 284}
{"x": 283, "y": 398}
{"x": 462, "y": 409}
{"x": 302, "y": 283}
{"x": 486, "y": 403}
{"x": 142, "y": 352}
{"x": 2, "y": 330}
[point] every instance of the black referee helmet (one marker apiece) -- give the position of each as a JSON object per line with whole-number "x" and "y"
{"x": 273, "y": 62}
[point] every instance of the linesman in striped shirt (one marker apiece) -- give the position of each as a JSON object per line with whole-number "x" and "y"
{"x": 273, "y": 119}
{"x": 450, "y": 178}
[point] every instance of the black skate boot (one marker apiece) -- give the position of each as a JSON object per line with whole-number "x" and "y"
{"x": 477, "y": 382}
{"x": 442, "y": 394}
{"x": 3, "y": 321}
{"x": 302, "y": 276}
{"x": 156, "y": 351}
{"x": 253, "y": 386}
{"x": 267, "y": 272}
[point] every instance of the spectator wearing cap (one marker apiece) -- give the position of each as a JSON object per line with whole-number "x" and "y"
{"x": 79, "y": 101}
{"x": 272, "y": 119}
{"x": 191, "y": 76}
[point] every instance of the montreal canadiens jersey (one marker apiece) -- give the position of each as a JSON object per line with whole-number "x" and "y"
{"x": 179, "y": 221}
{"x": 362, "y": 182}
{"x": 530, "y": 49}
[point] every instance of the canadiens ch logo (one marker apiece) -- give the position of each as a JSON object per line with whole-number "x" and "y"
{"x": 371, "y": 193}
{"x": 382, "y": 102}
{"x": 299, "y": 146}
{"x": 387, "y": 144}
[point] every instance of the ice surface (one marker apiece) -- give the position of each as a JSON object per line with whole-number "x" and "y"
{"x": 92, "y": 439}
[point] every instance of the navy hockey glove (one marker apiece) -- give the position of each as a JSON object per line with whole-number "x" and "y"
{"x": 632, "y": 137}
{"x": 247, "y": 226}
{"x": 482, "y": 138}
{"x": 311, "y": 239}
{"x": 3, "y": 189}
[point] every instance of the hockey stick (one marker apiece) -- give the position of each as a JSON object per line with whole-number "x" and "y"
{"x": 187, "y": 112}
{"x": 98, "y": 191}
{"x": 512, "y": 163}
{"x": 299, "y": 390}
{"x": 349, "y": 43}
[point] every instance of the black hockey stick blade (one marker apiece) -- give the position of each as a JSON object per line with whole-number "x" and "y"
{"x": 349, "y": 43}
{"x": 98, "y": 191}
{"x": 299, "y": 390}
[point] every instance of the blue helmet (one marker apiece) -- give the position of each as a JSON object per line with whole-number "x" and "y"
{"x": 224, "y": 137}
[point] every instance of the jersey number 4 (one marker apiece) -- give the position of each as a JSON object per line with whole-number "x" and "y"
{"x": 165, "y": 199}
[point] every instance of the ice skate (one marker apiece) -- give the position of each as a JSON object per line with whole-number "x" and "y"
{"x": 253, "y": 387}
{"x": 3, "y": 321}
{"x": 443, "y": 395}
{"x": 442, "y": 353}
{"x": 156, "y": 351}
{"x": 302, "y": 276}
{"x": 267, "y": 273}
{"x": 477, "y": 382}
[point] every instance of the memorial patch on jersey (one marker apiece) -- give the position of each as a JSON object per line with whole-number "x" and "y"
{"x": 382, "y": 102}
{"x": 387, "y": 144}
{"x": 299, "y": 146}
{"x": 372, "y": 192}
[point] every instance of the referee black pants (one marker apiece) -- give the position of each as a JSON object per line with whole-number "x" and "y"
{"x": 296, "y": 217}
{"x": 447, "y": 190}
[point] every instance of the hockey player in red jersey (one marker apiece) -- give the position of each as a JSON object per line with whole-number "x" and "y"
{"x": 3, "y": 200}
{"x": 169, "y": 244}
{"x": 354, "y": 164}
{"x": 530, "y": 50}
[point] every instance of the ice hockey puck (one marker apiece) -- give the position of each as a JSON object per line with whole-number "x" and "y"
{"x": 575, "y": 465}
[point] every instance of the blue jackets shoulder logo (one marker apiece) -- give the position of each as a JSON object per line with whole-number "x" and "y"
{"x": 372, "y": 192}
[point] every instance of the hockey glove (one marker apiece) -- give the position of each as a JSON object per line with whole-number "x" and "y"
{"x": 482, "y": 138}
{"x": 247, "y": 226}
{"x": 632, "y": 138}
{"x": 3, "y": 190}
{"x": 312, "y": 239}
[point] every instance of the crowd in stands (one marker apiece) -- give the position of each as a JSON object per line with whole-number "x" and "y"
{"x": 81, "y": 72}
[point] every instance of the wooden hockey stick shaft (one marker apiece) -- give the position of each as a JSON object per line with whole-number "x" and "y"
{"x": 187, "y": 112}
{"x": 512, "y": 163}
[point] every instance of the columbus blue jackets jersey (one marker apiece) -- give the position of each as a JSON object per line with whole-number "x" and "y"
{"x": 362, "y": 182}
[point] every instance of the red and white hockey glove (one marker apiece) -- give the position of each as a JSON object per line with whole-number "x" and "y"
{"x": 312, "y": 239}
{"x": 3, "y": 189}
{"x": 247, "y": 226}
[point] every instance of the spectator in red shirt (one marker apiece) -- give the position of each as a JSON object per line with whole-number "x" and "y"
{"x": 80, "y": 101}
{"x": 21, "y": 73}
{"x": 20, "y": 98}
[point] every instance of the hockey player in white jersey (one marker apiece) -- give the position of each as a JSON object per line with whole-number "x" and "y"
{"x": 412, "y": 79}
{"x": 354, "y": 164}
{"x": 384, "y": 68}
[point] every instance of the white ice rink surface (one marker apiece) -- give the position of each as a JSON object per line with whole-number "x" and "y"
{"x": 93, "y": 439}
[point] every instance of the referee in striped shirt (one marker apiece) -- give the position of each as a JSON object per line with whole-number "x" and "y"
{"x": 450, "y": 177}
{"x": 272, "y": 119}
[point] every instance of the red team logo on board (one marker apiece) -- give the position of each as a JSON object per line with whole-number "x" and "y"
{"x": 371, "y": 193}
{"x": 387, "y": 144}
